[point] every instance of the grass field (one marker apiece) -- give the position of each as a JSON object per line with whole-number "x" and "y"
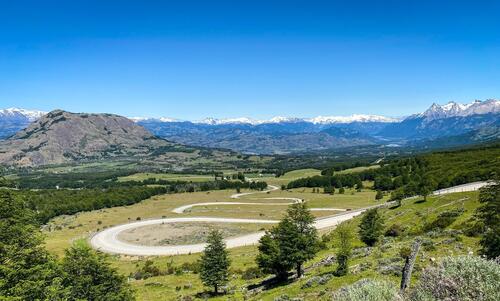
{"x": 357, "y": 169}
{"x": 169, "y": 234}
{"x": 290, "y": 176}
{"x": 65, "y": 229}
{"x": 167, "y": 176}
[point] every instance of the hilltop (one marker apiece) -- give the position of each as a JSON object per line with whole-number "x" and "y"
{"x": 61, "y": 137}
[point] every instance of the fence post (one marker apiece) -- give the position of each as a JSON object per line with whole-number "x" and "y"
{"x": 409, "y": 263}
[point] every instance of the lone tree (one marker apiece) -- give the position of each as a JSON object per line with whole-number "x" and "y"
{"x": 214, "y": 265}
{"x": 379, "y": 195}
{"x": 371, "y": 227}
{"x": 290, "y": 244}
{"x": 425, "y": 187}
{"x": 345, "y": 236}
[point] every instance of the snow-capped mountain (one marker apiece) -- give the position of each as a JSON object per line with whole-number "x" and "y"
{"x": 279, "y": 119}
{"x": 450, "y": 119}
{"x": 291, "y": 134}
{"x": 350, "y": 119}
{"x": 160, "y": 119}
{"x": 453, "y": 109}
{"x": 18, "y": 114}
{"x": 14, "y": 119}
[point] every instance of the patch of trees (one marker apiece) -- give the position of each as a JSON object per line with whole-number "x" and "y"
{"x": 336, "y": 181}
{"x": 53, "y": 202}
{"x": 45, "y": 180}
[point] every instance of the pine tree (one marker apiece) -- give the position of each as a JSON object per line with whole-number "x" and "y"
{"x": 379, "y": 195}
{"x": 290, "y": 244}
{"x": 489, "y": 213}
{"x": 214, "y": 265}
{"x": 371, "y": 227}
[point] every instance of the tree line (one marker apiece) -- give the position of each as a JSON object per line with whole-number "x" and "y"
{"x": 50, "y": 203}
{"x": 417, "y": 174}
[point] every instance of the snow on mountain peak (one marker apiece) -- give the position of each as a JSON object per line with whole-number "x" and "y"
{"x": 453, "y": 109}
{"x": 30, "y": 115}
{"x": 161, "y": 119}
{"x": 315, "y": 120}
{"x": 240, "y": 120}
{"x": 350, "y": 119}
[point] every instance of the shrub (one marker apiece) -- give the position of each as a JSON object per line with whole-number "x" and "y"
{"x": 251, "y": 273}
{"x": 193, "y": 267}
{"x": 464, "y": 278}
{"x": 394, "y": 230}
{"x": 371, "y": 227}
{"x": 444, "y": 219}
{"x": 368, "y": 290}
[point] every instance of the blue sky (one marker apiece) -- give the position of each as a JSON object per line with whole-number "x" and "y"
{"x": 193, "y": 59}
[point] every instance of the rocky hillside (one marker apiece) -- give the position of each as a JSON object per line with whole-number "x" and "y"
{"x": 62, "y": 137}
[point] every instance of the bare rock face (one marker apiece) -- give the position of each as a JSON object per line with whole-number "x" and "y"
{"x": 63, "y": 137}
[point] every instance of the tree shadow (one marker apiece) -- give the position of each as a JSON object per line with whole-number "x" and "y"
{"x": 209, "y": 294}
{"x": 272, "y": 282}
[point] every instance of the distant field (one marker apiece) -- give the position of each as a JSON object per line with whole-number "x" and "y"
{"x": 290, "y": 176}
{"x": 357, "y": 169}
{"x": 169, "y": 234}
{"x": 167, "y": 176}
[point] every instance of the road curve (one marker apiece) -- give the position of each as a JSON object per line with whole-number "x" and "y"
{"x": 463, "y": 188}
{"x": 107, "y": 240}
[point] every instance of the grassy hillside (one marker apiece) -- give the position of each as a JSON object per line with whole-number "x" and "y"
{"x": 381, "y": 262}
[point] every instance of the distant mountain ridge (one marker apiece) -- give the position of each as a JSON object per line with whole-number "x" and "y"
{"x": 278, "y": 119}
{"x": 281, "y": 135}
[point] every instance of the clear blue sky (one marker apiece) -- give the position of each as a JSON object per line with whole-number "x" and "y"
{"x": 193, "y": 59}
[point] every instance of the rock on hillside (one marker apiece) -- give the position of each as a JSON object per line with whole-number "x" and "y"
{"x": 63, "y": 137}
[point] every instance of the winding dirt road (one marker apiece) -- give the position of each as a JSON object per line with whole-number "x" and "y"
{"x": 107, "y": 240}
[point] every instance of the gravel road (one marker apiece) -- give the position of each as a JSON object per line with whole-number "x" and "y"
{"x": 107, "y": 240}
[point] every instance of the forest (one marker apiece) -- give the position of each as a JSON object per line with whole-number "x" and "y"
{"x": 417, "y": 174}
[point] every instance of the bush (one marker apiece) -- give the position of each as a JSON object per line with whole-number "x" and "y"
{"x": 464, "y": 278}
{"x": 394, "y": 230}
{"x": 371, "y": 227}
{"x": 368, "y": 290}
{"x": 251, "y": 273}
{"x": 444, "y": 219}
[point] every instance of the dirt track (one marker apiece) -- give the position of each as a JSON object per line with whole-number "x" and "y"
{"x": 107, "y": 240}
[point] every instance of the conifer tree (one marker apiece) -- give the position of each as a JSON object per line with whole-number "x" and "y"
{"x": 214, "y": 265}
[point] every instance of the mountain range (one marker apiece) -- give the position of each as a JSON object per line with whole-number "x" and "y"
{"x": 440, "y": 125}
